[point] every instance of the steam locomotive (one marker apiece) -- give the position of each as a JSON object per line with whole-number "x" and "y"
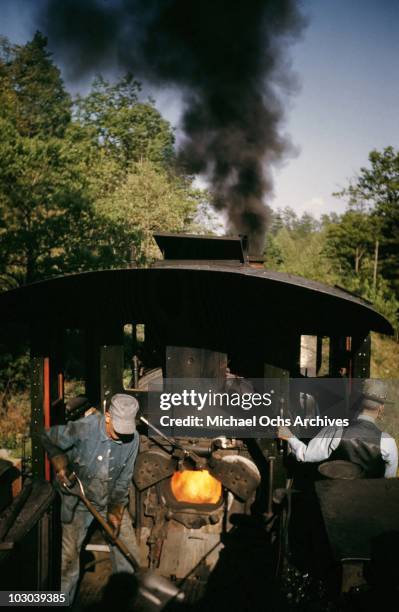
{"x": 212, "y": 518}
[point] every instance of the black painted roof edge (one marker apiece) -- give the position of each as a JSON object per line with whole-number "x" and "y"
{"x": 244, "y": 270}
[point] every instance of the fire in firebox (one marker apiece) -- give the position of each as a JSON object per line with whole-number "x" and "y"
{"x": 196, "y": 487}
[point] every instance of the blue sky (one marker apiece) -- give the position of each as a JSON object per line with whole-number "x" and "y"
{"x": 348, "y": 66}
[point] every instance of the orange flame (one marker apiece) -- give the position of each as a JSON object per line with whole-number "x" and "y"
{"x": 196, "y": 487}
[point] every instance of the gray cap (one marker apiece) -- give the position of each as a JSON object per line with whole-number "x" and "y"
{"x": 375, "y": 390}
{"x": 123, "y": 410}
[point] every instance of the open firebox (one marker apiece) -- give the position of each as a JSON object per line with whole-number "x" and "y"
{"x": 185, "y": 494}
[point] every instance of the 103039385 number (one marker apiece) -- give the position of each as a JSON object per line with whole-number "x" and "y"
{"x": 35, "y": 598}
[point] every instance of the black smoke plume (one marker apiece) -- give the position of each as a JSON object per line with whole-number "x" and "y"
{"x": 229, "y": 60}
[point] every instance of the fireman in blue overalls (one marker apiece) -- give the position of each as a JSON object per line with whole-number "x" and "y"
{"x": 101, "y": 450}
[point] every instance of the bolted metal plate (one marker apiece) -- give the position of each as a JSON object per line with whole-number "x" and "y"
{"x": 151, "y": 467}
{"x": 238, "y": 474}
{"x": 358, "y": 512}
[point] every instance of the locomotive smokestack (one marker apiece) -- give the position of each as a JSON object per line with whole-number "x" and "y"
{"x": 229, "y": 61}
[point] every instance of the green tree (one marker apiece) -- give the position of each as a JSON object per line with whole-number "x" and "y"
{"x": 296, "y": 244}
{"x": 41, "y": 106}
{"x": 50, "y": 175}
{"x": 376, "y": 191}
{"x": 274, "y": 256}
{"x": 150, "y": 199}
{"x": 45, "y": 205}
{"x": 77, "y": 192}
{"x": 144, "y": 193}
{"x": 380, "y": 294}
{"x": 301, "y": 255}
{"x": 335, "y": 250}
{"x": 128, "y": 129}
{"x": 351, "y": 240}
{"x": 288, "y": 218}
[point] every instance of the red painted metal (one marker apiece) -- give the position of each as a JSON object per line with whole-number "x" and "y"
{"x": 60, "y": 385}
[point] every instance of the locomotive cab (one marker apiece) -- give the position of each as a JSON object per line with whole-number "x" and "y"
{"x": 202, "y": 312}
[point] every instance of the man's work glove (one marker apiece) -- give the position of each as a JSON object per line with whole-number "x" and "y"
{"x": 62, "y": 472}
{"x": 114, "y": 517}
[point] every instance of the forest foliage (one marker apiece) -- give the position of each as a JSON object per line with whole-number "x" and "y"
{"x": 77, "y": 176}
{"x": 358, "y": 250}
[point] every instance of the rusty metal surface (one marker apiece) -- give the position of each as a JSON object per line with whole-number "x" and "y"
{"x": 355, "y": 512}
{"x": 152, "y": 466}
{"x": 195, "y": 545}
{"x": 237, "y": 473}
{"x": 30, "y": 524}
{"x": 192, "y": 362}
{"x": 8, "y": 517}
{"x": 38, "y": 502}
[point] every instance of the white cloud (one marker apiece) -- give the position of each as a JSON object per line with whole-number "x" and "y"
{"x": 317, "y": 206}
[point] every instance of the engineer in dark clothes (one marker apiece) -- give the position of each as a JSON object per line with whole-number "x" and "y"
{"x": 101, "y": 449}
{"x": 361, "y": 443}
